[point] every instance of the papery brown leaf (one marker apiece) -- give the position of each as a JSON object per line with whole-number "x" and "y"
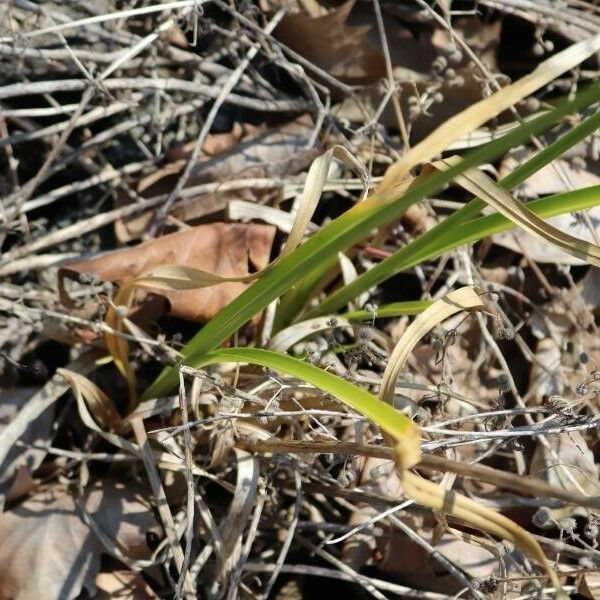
{"x": 243, "y": 153}
{"x": 225, "y": 249}
{"x": 402, "y": 558}
{"x": 329, "y": 43}
{"x": 47, "y": 550}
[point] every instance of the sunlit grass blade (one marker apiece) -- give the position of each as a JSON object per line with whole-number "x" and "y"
{"x": 429, "y": 244}
{"x": 343, "y": 232}
{"x": 390, "y": 420}
{"x": 478, "y": 183}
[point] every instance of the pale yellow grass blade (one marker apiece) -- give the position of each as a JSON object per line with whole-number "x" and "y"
{"x": 313, "y": 188}
{"x": 179, "y": 277}
{"x": 479, "y": 113}
{"x": 466, "y": 298}
{"x": 98, "y": 403}
{"x": 482, "y": 186}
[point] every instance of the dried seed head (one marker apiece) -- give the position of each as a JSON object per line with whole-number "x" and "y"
{"x": 121, "y": 311}
{"x": 583, "y": 389}
{"x": 456, "y": 56}
{"x": 538, "y": 49}
{"x": 505, "y": 333}
{"x": 450, "y": 73}
{"x": 364, "y": 335}
{"x": 439, "y": 64}
{"x": 533, "y": 104}
{"x": 542, "y": 518}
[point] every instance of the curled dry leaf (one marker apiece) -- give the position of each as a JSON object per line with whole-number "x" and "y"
{"x": 405, "y": 559}
{"x": 227, "y": 250}
{"x": 246, "y": 152}
{"x": 482, "y": 186}
{"x": 47, "y": 533}
{"x": 98, "y": 403}
{"x": 329, "y": 43}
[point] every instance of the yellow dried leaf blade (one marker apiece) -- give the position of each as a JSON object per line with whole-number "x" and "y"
{"x": 479, "y": 113}
{"x": 98, "y": 403}
{"x": 466, "y": 298}
{"x": 482, "y": 186}
{"x": 180, "y": 277}
{"x": 117, "y": 346}
{"x": 313, "y": 188}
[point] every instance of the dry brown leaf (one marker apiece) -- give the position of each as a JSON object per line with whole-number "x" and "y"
{"x": 47, "y": 550}
{"x": 228, "y": 250}
{"x": 406, "y": 560}
{"x": 245, "y": 152}
{"x": 329, "y": 43}
{"x": 557, "y": 177}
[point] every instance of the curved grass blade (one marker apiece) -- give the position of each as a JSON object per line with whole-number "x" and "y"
{"x": 346, "y": 230}
{"x": 465, "y": 298}
{"x": 426, "y": 492}
{"x": 387, "y": 418}
{"x": 428, "y": 245}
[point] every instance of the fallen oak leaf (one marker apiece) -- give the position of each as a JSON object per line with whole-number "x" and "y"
{"x": 216, "y": 251}
{"x": 222, "y": 249}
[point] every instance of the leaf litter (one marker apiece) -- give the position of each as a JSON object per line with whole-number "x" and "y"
{"x": 248, "y": 481}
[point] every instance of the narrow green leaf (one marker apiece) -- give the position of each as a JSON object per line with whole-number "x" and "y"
{"x": 392, "y": 421}
{"x": 427, "y": 245}
{"x": 348, "y": 229}
{"x": 393, "y": 309}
